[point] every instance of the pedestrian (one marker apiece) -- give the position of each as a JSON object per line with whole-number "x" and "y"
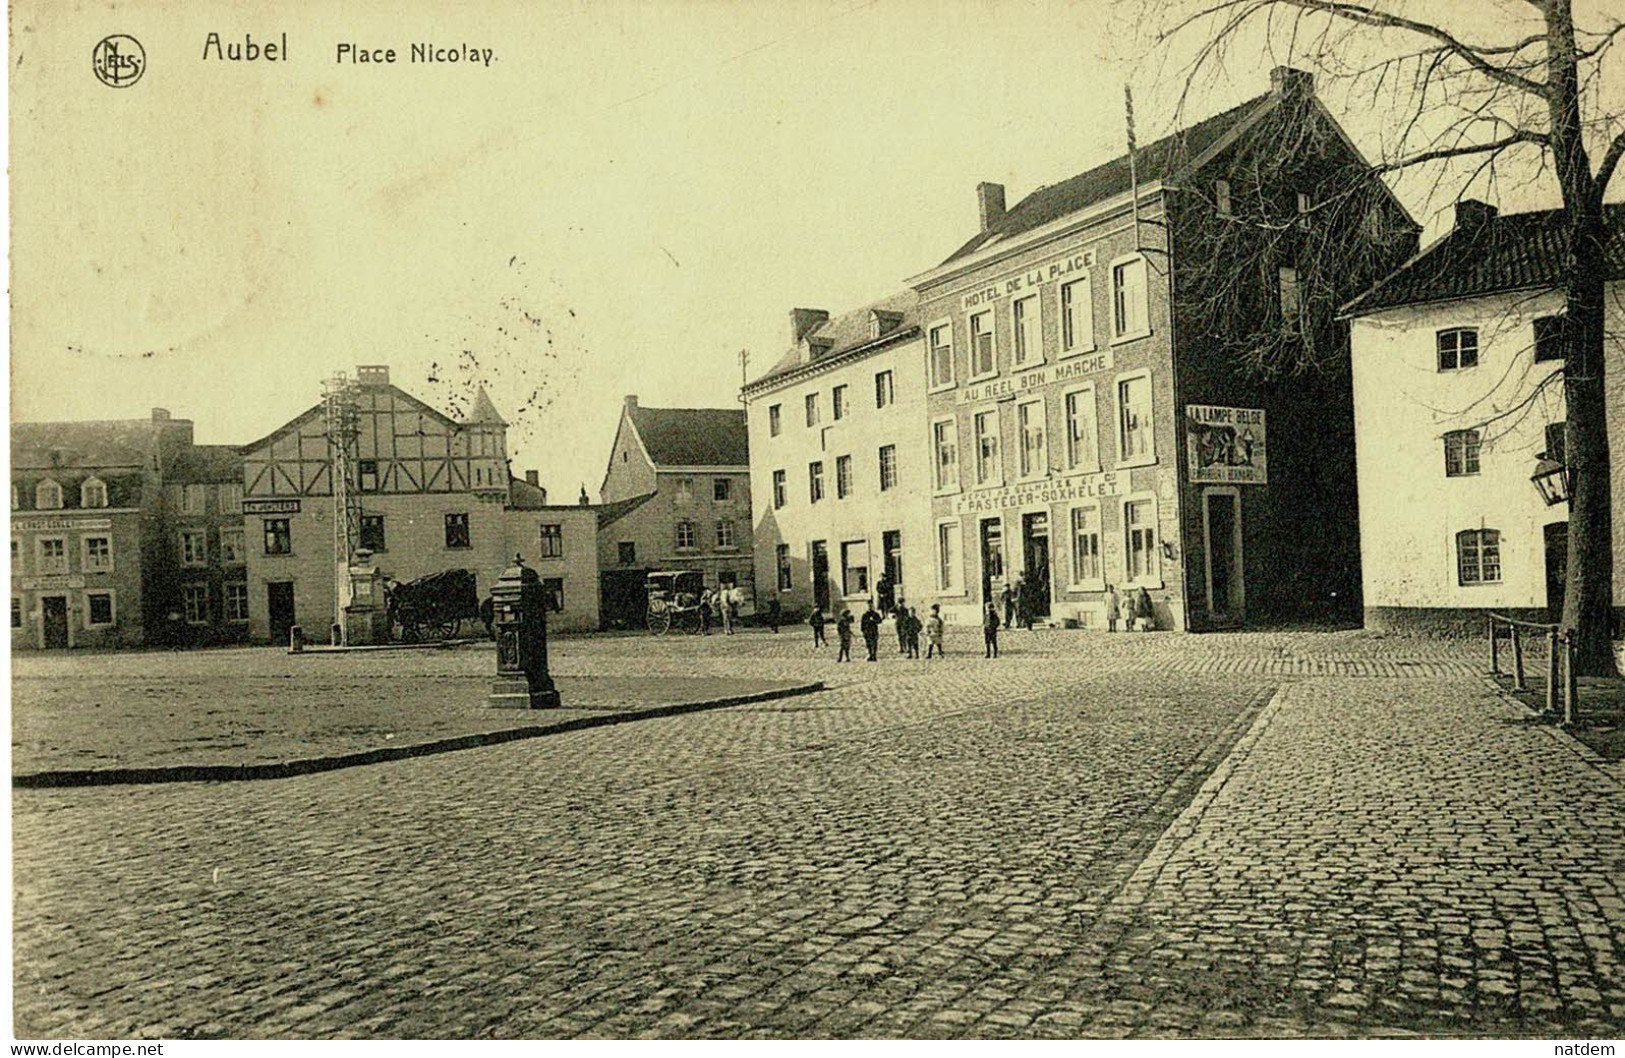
{"x": 911, "y": 622}
{"x": 705, "y": 612}
{"x": 843, "y": 633}
{"x": 1023, "y": 603}
{"x": 1009, "y": 604}
{"x": 816, "y": 619}
{"x": 725, "y": 611}
{"x": 900, "y": 615}
{"x": 933, "y": 632}
{"x": 773, "y": 615}
{"x": 1114, "y": 603}
{"x": 990, "y": 631}
{"x": 871, "y": 629}
{"x": 1145, "y": 616}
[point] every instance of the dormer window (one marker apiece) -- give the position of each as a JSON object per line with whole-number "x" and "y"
{"x": 48, "y": 496}
{"x": 93, "y": 493}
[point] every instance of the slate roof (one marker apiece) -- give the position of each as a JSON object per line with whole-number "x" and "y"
{"x": 206, "y": 463}
{"x": 693, "y": 437}
{"x": 609, "y": 513}
{"x": 1159, "y": 160}
{"x": 1519, "y": 251}
{"x": 99, "y": 443}
{"x": 851, "y": 331}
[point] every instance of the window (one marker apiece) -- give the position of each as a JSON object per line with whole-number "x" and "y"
{"x": 231, "y": 498}
{"x": 812, "y": 409}
{"x": 1086, "y": 562}
{"x": 553, "y": 592}
{"x": 775, "y": 419}
{"x": 1077, "y": 317}
{"x": 685, "y": 490}
{"x": 1134, "y": 440}
{"x": 98, "y": 609}
{"x": 1478, "y": 556}
{"x": 16, "y": 612}
{"x": 855, "y": 567}
{"x": 948, "y": 579}
{"x": 942, "y": 355}
{"x": 782, "y": 553}
{"x": 1458, "y": 348}
{"x": 627, "y": 552}
{"x": 367, "y": 472}
{"x": 780, "y": 491}
{"x": 945, "y": 445}
{"x": 1461, "y": 453}
{"x": 194, "y": 499}
{"x": 815, "y": 481}
{"x": 885, "y": 392}
{"x": 457, "y": 530}
{"x": 194, "y": 548}
{"x": 195, "y": 601}
{"x": 1025, "y": 325}
{"x": 372, "y": 533}
{"x": 888, "y": 467}
{"x": 1082, "y": 432}
{"x": 722, "y": 489}
{"x": 233, "y": 552}
{"x": 837, "y": 401}
{"x": 1555, "y": 432}
{"x": 1221, "y": 199}
{"x": 48, "y": 496}
{"x": 843, "y": 477}
{"x": 1548, "y": 338}
{"x": 52, "y": 555}
{"x": 983, "y": 359}
{"x": 93, "y": 493}
{"x": 97, "y": 554}
{"x": 1291, "y": 299}
{"x": 1140, "y": 543}
{"x": 685, "y": 536}
{"x": 988, "y": 469}
{"x": 1130, "y": 316}
{"x": 1034, "y": 453}
{"x": 552, "y": 541}
{"x": 725, "y": 534}
{"x": 236, "y": 601}
{"x": 278, "y": 538}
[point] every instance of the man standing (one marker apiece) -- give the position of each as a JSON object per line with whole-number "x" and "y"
{"x": 843, "y": 633}
{"x": 1009, "y": 604}
{"x": 990, "y": 631}
{"x": 773, "y": 614}
{"x": 816, "y": 619}
{"x": 871, "y": 629}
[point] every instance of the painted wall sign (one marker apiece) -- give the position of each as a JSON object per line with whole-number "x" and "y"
{"x": 1039, "y": 493}
{"x": 1226, "y": 446}
{"x": 1027, "y": 280}
{"x": 40, "y": 525}
{"x": 1015, "y": 385}
{"x": 55, "y": 582}
{"x": 270, "y": 506}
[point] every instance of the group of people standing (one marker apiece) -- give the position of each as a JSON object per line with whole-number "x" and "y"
{"x": 909, "y": 630}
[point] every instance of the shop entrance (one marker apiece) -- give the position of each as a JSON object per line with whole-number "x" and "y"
{"x": 1035, "y": 539}
{"x": 992, "y": 535}
{"x": 1221, "y": 525}
{"x": 820, "y": 575}
{"x": 279, "y": 605}
{"x": 54, "y": 620}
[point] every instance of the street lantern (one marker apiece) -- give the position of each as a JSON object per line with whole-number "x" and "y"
{"x": 1553, "y": 481}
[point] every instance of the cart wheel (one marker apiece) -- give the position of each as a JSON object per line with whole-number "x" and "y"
{"x": 410, "y": 632}
{"x": 448, "y": 629}
{"x": 659, "y": 623}
{"x": 694, "y": 625}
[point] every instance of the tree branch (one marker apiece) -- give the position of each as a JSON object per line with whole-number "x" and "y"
{"x": 1610, "y": 161}
{"x": 1457, "y": 152}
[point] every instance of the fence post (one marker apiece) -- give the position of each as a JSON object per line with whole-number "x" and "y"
{"x": 1571, "y": 683}
{"x": 1495, "y": 650}
{"x": 1518, "y": 683}
{"x": 1551, "y": 673}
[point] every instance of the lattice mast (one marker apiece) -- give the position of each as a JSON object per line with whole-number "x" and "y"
{"x": 342, "y": 408}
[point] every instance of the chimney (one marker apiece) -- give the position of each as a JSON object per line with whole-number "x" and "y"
{"x": 803, "y": 321}
{"x": 1289, "y": 83}
{"x": 990, "y": 201}
{"x": 533, "y": 477}
{"x": 583, "y": 501}
{"x": 372, "y": 374}
{"x": 631, "y": 400}
{"x": 1471, "y": 215}
{"x": 160, "y": 415}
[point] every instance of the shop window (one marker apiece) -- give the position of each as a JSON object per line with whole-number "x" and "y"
{"x": 1458, "y": 348}
{"x": 99, "y": 611}
{"x": 1478, "y": 556}
{"x": 457, "y": 535}
{"x": 1461, "y": 448}
{"x": 552, "y": 542}
{"x": 278, "y": 537}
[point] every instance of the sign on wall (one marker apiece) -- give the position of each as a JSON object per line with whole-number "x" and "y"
{"x": 45, "y": 525}
{"x": 1226, "y": 446}
{"x": 1034, "y": 378}
{"x": 1067, "y": 266}
{"x": 1088, "y": 487}
{"x": 270, "y": 506}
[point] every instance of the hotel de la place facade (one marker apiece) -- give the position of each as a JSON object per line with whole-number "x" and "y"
{"x": 1063, "y": 400}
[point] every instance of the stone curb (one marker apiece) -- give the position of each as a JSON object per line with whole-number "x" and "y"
{"x": 1556, "y": 732}
{"x": 311, "y": 765}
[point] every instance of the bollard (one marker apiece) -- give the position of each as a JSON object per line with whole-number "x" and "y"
{"x": 1495, "y": 651}
{"x": 1551, "y": 673}
{"x": 296, "y": 640}
{"x": 1571, "y": 683}
{"x": 1518, "y": 683}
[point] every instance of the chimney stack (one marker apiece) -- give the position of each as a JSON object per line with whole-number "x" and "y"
{"x": 804, "y": 321}
{"x": 1471, "y": 215}
{"x": 990, "y": 203}
{"x": 533, "y": 477}
{"x": 631, "y": 400}
{"x": 160, "y": 415}
{"x": 372, "y": 374}
{"x": 1290, "y": 83}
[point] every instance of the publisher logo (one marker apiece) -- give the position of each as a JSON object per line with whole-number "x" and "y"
{"x": 119, "y": 60}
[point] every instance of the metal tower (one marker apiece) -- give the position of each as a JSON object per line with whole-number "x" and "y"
{"x": 342, "y": 410}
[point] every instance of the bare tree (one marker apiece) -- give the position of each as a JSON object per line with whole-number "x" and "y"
{"x": 1515, "y": 92}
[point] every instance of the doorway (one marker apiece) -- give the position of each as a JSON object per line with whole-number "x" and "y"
{"x": 279, "y": 603}
{"x": 1035, "y": 540}
{"x": 992, "y": 558}
{"x": 1557, "y": 569}
{"x": 1221, "y": 529}
{"x": 54, "y": 620}
{"x": 820, "y": 575}
{"x": 891, "y": 546}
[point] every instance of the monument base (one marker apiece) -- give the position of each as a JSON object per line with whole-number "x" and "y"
{"x": 516, "y": 693}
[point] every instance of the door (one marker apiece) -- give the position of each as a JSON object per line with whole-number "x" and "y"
{"x": 1222, "y": 527}
{"x": 820, "y": 575}
{"x": 54, "y": 619}
{"x": 279, "y": 603}
{"x": 1557, "y": 569}
{"x": 992, "y": 558}
{"x": 1035, "y": 538}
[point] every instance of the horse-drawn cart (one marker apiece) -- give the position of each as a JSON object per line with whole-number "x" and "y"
{"x": 433, "y": 607}
{"x": 674, "y": 599}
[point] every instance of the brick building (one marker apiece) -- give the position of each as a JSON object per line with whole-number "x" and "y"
{"x": 840, "y": 486}
{"x": 206, "y": 577}
{"x": 676, "y": 495}
{"x": 1089, "y": 426}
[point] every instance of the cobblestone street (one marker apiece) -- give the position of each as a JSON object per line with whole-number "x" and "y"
{"x": 1264, "y": 834}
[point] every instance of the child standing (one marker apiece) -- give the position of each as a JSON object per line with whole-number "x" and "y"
{"x": 1114, "y": 605}
{"x": 816, "y": 619}
{"x": 843, "y": 633}
{"x": 933, "y": 632}
{"x": 913, "y": 618}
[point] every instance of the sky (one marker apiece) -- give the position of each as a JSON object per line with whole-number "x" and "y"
{"x": 628, "y": 196}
